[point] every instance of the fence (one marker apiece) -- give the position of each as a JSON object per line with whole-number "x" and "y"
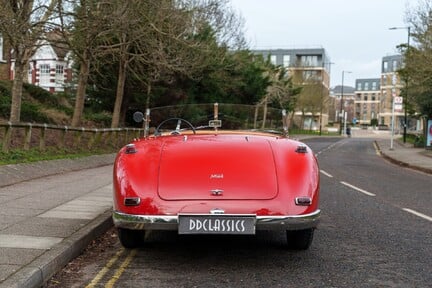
{"x": 31, "y": 135}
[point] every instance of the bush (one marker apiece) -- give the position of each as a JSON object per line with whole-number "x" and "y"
{"x": 41, "y": 95}
{"x": 103, "y": 119}
{"x": 31, "y": 113}
{"x": 5, "y": 101}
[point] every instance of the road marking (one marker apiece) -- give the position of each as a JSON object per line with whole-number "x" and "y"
{"x": 104, "y": 270}
{"x": 358, "y": 189}
{"x": 121, "y": 269}
{"x": 377, "y": 150}
{"x": 418, "y": 214}
{"x": 326, "y": 174}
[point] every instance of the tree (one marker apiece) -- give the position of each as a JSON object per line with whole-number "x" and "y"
{"x": 154, "y": 42}
{"x": 280, "y": 90}
{"x": 80, "y": 22}
{"x": 417, "y": 71}
{"x": 23, "y": 23}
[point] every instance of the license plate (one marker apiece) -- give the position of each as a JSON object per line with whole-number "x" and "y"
{"x": 217, "y": 224}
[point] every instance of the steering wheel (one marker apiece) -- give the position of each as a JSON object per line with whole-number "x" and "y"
{"x": 177, "y": 129}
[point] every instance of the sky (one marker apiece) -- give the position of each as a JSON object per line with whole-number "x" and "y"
{"x": 355, "y": 34}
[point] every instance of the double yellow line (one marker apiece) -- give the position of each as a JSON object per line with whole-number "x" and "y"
{"x": 119, "y": 271}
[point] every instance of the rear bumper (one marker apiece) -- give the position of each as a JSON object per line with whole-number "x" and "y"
{"x": 168, "y": 222}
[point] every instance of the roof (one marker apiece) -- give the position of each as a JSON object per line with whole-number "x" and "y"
{"x": 58, "y": 43}
{"x": 346, "y": 89}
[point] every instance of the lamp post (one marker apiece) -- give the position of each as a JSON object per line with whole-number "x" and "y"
{"x": 405, "y": 99}
{"x": 341, "y": 105}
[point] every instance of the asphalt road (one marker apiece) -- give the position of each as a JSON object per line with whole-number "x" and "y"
{"x": 376, "y": 231}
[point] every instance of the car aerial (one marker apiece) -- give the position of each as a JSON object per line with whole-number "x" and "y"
{"x": 211, "y": 180}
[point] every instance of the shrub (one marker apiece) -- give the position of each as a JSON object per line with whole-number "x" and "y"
{"x": 31, "y": 113}
{"x": 41, "y": 95}
{"x": 103, "y": 119}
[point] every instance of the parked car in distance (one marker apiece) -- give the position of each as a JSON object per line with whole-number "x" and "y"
{"x": 210, "y": 180}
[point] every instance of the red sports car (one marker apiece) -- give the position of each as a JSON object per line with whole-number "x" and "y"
{"x": 206, "y": 180}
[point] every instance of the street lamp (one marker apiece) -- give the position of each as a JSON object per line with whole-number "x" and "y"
{"x": 405, "y": 99}
{"x": 341, "y": 105}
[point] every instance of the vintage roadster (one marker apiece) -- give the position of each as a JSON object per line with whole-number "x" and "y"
{"x": 207, "y": 180}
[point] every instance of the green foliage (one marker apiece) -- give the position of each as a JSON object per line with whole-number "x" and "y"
{"x": 31, "y": 112}
{"x": 374, "y": 122}
{"x": 5, "y": 100}
{"x": 103, "y": 118}
{"x": 40, "y": 94}
{"x": 33, "y": 155}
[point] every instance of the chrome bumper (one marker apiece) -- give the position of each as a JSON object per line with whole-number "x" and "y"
{"x": 161, "y": 222}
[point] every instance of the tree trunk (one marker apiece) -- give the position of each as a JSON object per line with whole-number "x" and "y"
{"x": 119, "y": 93}
{"x": 264, "y": 114}
{"x": 148, "y": 95}
{"x": 80, "y": 94}
{"x": 17, "y": 86}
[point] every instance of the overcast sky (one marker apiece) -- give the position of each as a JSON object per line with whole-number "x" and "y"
{"x": 355, "y": 34}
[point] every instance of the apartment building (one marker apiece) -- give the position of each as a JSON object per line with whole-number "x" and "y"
{"x": 367, "y": 100}
{"x": 307, "y": 67}
{"x": 342, "y": 100}
{"x": 391, "y": 86}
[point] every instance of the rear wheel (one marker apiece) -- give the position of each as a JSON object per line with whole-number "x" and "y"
{"x": 130, "y": 238}
{"x": 299, "y": 239}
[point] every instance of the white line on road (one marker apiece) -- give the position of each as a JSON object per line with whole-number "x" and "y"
{"x": 357, "y": 189}
{"x": 418, "y": 214}
{"x": 326, "y": 174}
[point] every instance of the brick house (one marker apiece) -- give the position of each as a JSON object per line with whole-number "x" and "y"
{"x": 51, "y": 66}
{"x": 4, "y": 66}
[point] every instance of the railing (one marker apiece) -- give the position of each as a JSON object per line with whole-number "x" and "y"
{"x": 32, "y": 135}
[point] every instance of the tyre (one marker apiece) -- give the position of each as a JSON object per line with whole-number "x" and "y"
{"x": 299, "y": 239}
{"x": 130, "y": 238}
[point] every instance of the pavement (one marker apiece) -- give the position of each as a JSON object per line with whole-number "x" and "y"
{"x": 35, "y": 245}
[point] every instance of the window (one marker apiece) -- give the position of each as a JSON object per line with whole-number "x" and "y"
{"x": 385, "y": 66}
{"x": 374, "y": 85}
{"x": 359, "y": 86}
{"x": 395, "y": 65}
{"x": 44, "y": 69}
{"x": 309, "y": 60}
{"x": 1, "y": 47}
{"x": 59, "y": 70}
{"x": 367, "y": 86}
{"x": 59, "y": 76}
{"x": 273, "y": 59}
{"x": 286, "y": 60}
{"x": 44, "y": 74}
{"x": 365, "y": 98}
{"x": 310, "y": 75}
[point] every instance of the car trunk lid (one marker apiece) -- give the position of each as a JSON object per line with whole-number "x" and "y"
{"x": 216, "y": 169}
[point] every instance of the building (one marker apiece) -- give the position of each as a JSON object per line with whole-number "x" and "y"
{"x": 50, "y": 67}
{"x": 309, "y": 68}
{"x": 4, "y": 66}
{"x": 367, "y": 101}
{"x": 391, "y": 85}
{"x": 342, "y": 101}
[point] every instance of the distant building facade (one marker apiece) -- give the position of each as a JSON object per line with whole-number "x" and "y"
{"x": 51, "y": 66}
{"x": 391, "y": 86}
{"x": 4, "y": 66}
{"x": 367, "y": 101}
{"x": 342, "y": 101}
{"x": 307, "y": 67}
